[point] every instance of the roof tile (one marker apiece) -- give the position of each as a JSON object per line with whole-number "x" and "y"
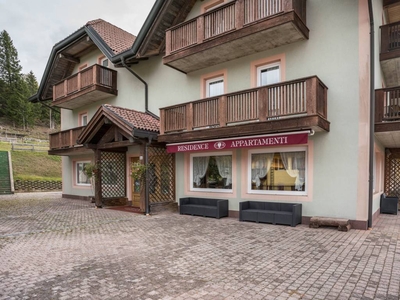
{"x": 137, "y": 119}
{"x": 116, "y": 38}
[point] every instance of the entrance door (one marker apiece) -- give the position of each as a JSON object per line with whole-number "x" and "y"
{"x": 135, "y": 187}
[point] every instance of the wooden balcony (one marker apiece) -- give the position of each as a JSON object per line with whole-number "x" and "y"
{"x": 236, "y": 29}
{"x": 87, "y": 86}
{"x": 390, "y": 53}
{"x": 387, "y": 116}
{"x": 287, "y": 106}
{"x": 64, "y": 142}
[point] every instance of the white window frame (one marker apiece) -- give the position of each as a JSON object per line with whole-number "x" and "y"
{"x": 214, "y": 80}
{"x": 268, "y": 66}
{"x": 76, "y": 163}
{"x": 219, "y": 153}
{"x": 81, "y": 117}
{"x": 276, "y": 150}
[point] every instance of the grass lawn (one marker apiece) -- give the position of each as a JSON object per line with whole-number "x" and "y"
{"x": 28, "y": 165}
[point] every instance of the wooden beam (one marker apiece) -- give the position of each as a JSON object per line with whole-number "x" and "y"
{"x": 115, "y": 145}
{"x": 109, "y": 136}
{"x": 69, "y": 58}
{"x": 97, "y": 176}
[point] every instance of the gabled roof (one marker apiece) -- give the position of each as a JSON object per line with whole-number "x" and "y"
{"x": 131, "y": 124}
{"x": 117, "y": 39}
{"x": 119, "y": 46}
{"x": 66, "y": 54}
{"x": 136, "y": 119}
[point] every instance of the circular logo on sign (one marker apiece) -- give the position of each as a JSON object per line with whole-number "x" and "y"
{"x": 219, "y": 145}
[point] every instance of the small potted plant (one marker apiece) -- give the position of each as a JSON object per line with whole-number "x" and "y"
{"x": 90, "y": 171}
{"x": 138, "y": 171}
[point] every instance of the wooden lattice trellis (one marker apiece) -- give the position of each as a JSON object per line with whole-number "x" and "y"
{"x": 113, "y": 180}
{"x": 161, "y": 176}
{"x": 392, "y": 173}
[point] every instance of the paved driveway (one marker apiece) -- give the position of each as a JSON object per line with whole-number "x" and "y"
{"x": 53, "y": 248}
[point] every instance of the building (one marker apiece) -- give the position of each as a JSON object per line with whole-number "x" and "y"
{"x": 268, "y": 100}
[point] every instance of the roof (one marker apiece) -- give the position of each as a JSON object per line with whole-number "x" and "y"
{"x": 129, "y": 123}
{"x": 117, "y": 39}
{"x": 136, "y": 119}
{"x": 110, "y": 39}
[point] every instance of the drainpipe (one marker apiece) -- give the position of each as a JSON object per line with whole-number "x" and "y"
{"x": 146, "y": 155}
{"x": 146, "y": 191}
{"x": 146, "y": 89}
{"x": 372, "y": 113}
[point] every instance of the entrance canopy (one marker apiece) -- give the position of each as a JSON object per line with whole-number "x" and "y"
{"x": 291, "y": 138}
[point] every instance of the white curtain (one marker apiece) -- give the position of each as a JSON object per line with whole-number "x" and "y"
{"x": 200, "y": 165}
{"x": 224, "y": 164}
{"x": 260, "y": 165}
{"x": 294, "y": 163}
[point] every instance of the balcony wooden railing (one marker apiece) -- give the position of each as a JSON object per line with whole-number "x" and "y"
{"x": 390, "y": 37}
{"x": 226, "y": 18}
{"x": 93, "y": 75}
{"x": 302, "y": 97}
{"x": 65, "y": 139}
{"x": 387, "y": 105}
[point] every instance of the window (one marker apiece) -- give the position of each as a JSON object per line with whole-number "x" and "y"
{"x": 211, "y": 172}
{"x": 102, "y": 60}
{"x": 81, "y": 178}
{"x": 268, "y": 74}
{"x": 281, "y": 171}
{"x": 83, "y": 119}
{"x": 214, "y": 86}
{"x": 268, "y": 70}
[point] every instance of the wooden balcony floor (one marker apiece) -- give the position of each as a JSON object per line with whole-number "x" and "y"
{"x": 317, "y": 123}
{"x": 286, "y": 28}
{"x": 391, "y": 68}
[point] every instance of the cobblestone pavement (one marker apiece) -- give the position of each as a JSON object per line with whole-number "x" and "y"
{"x": 53, "y": 248}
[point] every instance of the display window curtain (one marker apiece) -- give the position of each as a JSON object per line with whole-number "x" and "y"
{"x": 294, "y": 163}
{"x": 200, "y": 165}
{"x": 260, "y": 165}
{"x": 224, "y": 164}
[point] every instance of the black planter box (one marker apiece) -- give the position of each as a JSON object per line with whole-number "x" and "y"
{"x": 389, "y": 205}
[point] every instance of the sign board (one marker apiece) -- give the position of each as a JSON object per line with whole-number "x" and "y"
{"x": 237, "y": 143}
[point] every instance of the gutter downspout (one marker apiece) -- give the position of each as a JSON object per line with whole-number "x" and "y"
{"x": 146, "y": 155}
{"x": 146, "y": 191}
{"x": 146, "y": 89}
{"x": 372, "y": 114}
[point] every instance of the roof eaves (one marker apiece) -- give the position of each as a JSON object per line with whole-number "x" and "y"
{"x": 56, "y": 49}
{"x": 99, "y": 42}
{"x": 132, "y": 52}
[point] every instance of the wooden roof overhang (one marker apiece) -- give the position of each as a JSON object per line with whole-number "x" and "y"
{"x": 151, "y": 38}
{"x": 64, "y": 62}
{"x": 107, "y": 131}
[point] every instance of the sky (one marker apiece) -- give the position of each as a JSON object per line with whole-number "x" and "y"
{"x": 35, "y": 26}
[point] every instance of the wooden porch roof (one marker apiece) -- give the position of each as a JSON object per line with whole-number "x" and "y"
{"x": 114, "y": 127}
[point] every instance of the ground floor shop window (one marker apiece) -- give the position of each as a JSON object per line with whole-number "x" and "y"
{"x": 211, "y": 172}
{"x": 279, "y": 171}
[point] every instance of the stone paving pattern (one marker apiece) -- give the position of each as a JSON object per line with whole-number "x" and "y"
{"x": 53, "y": 248}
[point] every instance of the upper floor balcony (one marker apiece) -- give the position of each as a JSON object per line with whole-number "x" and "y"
{"x": 390, "y": 53}
{"x": 387, "y": 116}
{"x": 236, "y": 29}
{"x": 89, "y": 85}
{"x": 63, "y": 142}
{"x": 287, "y": 106}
